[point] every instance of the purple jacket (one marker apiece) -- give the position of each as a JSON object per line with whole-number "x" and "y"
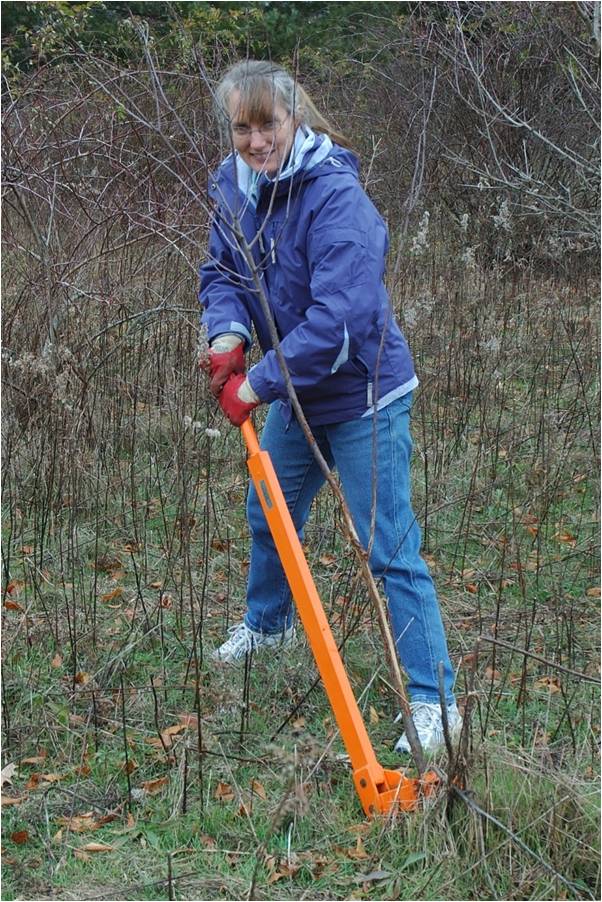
{"x": 321, "y": 256}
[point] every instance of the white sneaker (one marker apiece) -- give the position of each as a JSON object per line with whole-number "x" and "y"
{"x": 429, "y": 726}
{"x": 243, "y": 640}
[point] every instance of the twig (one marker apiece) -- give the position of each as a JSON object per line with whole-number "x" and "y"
{"x": 444, "y": 718}
{"x": 125, "y": 743}
{"x": 530, "y": 654}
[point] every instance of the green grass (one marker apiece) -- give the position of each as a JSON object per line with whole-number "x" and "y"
{"x": 126, "y": 541}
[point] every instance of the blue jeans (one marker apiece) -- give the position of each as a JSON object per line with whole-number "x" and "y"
{"x": 413, "y": 607}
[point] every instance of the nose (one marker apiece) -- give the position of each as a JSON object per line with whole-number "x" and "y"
{"x": 257, "y": 139}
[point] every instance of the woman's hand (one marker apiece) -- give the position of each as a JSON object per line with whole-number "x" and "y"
{"x": 225, "y": 356}
{"x": 238, "y": 399}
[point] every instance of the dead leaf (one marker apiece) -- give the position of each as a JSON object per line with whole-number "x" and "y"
{"x": 189, "y": 721}
{"x": 7, "y": 774}
{"x": 14, "y": 586}
{"x": 245, "y": 810}
{"x": 13, "y": 605}
{"x": 57, "y": 661}
{"x": 327, "y": 560}
{"x": 208, "y": 841}
{"x": 26, "y": 549}
{"x": 131, "y": 547}
{"x": 359, "y": 852}
{"x": 106, "y": 563}
{"x": 472, "y": 587}
{"x": 97, "y": 847}
{"x": 58, "y": 837}
{"x": 173, "y": 730}
{"x": 130, "y": 767}
{"x": 152, "y": 787}
{"x": 259, "y": 789}
{"x": 81, "y": 823}
{"x": 52, "y": 778}
{"x": 298, "y": 725}
{"x": 223, "y": 792}
{"x": 166, "y": 601}
{"x": 117, "y": 592}
{"x": 130, "y": 821}
{"x": 470, "y": 659}
{"x": 82, "y": 678}
{"x": 551, "y": 683}
{"x": 158, "y": 584}
{"x": 20, "y": 837}
{"x": 374, "y": 718}
{"x": 219, "y": 544}
{"x": 565, "y": 537}
{"x": 12, "y": 800}
{"x": 33, "y": 782}
{"x": 593, "y": 592}
{"x": 35, "y": 759}
{"x": 493, "y": 675}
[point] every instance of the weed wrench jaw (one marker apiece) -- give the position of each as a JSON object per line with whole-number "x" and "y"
{"x": 380, "y": 791}
{"x": 395, "y": 792}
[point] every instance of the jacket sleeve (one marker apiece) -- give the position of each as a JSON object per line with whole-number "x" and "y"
{"x": 346, "y": 244}
{"x": 222, "y": 293}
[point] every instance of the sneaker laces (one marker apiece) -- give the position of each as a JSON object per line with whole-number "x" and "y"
{"x": 425, "y": 716}
{"x": 240, "y": 638}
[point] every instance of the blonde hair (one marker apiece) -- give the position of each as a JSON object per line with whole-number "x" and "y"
{"x": 262, "y": 84}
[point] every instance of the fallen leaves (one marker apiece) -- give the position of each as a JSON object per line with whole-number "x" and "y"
{"x": 551, "y": 683}
{"x": 105, "y": 563}
{"x": 565, "y": 537}
{"x": 224, "y": 792}
{"x": 117, "y": 592}
{"x": 35, "y": 759}
{"x": 165, "y": 739}
{"x": 35, "y": 779}
{"x": 7, "y": 774}
{"x": 152, "y": 787}
{"x": 258, "y": 789}
{"x": 6, "y": 801}
{"x": 84, "y": 823}
{"x": 83, "y": 853}
{"x": 11, "y": 605}
{"x": 20, "y": 837}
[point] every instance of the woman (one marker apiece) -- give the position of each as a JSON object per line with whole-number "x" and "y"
{"x": 291, "y": 190}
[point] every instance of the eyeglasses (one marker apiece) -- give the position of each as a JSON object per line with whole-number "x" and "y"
{"x": 267, "y": 130}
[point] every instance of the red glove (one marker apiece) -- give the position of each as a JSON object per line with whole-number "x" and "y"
{"x": 236, "y": 410}
{"x": 221, "y": 364}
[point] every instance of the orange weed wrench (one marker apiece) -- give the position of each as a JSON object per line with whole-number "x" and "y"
{"x": 379, "y": 790}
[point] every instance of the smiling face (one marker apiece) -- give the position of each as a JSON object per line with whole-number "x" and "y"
{"x": 262, "y": 129}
